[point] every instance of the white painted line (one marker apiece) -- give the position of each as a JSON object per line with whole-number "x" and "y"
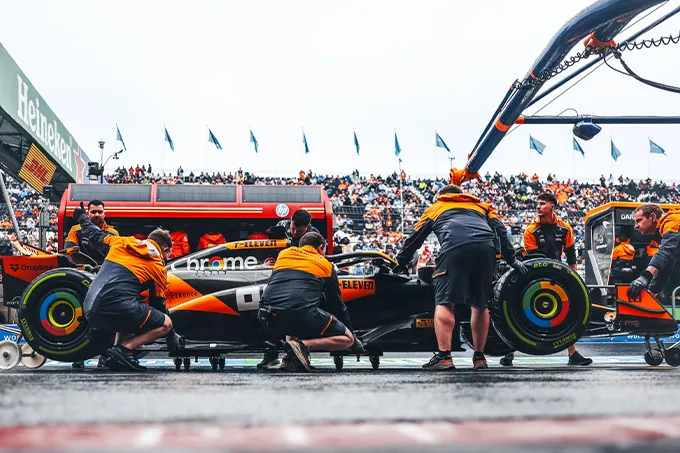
{"x": 296, "y": 435}
{"x": 417, "y": 432}
{"x": 149, "y": 437}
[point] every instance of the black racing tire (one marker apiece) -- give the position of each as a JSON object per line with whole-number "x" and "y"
{"x": 495, "y": 346}
{"x": 543, "y": 312}
{"x": 51, "y": 317}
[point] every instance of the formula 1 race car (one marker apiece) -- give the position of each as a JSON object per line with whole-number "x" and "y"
{"x": 214, "y": 295}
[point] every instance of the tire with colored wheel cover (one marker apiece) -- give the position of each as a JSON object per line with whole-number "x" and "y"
{"x": 495, "y": 346}
{"x": 51, "y": 317}
{"x": 543, "y": 312}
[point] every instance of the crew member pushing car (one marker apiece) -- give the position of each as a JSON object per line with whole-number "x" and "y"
{"x": 303, "y": 281}
{"x": 651, "y": 221}
{"x": 297, "y": 226}
{"x": 550, "y": 236}
{"x": 112, "y": 301}
{"x": 467, "y": 230}
{"x": 76, "y": 238}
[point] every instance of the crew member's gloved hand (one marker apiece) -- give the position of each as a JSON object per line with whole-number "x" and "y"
{"x": 655, "y": 286}
{"x": 520, "y": 267}
{"x": 79, "y": 211}
{"x": 400, "y": 269}
{"x": 173, "y": 341}
{"x": 640, "y": 283}
{"x": 357, "y": 347}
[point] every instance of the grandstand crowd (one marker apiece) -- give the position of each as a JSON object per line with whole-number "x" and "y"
{"x": 369, "y": 210}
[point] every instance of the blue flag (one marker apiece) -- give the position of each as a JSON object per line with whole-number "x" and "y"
{"x": 304, "y": 140}
{"x": 397, "y": 148}
{"x": 655, "y": 149}
{"x": 615, "y": 151}
{"x": 356, "y": 142}
{"x": 253, "y": 140}
{"x": 213, "y": 139}
{"x": 578, "y": 148}
{"x": 536, "y": 145}
{"x": 168, "y": 139}
{"x": 120, "y": 138}
{"x": 440, "y": 143}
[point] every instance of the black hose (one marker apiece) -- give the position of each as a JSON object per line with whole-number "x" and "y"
{"x": 651, "y": 83}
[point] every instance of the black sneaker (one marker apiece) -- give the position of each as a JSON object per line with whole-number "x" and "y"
{"x": 269, "y": 361}
{"x": 299, "y": 352}
{"x": 439, "y": 363}
{"x": 287, "y": 364}
{"x": 578, "y": 359}
{"x": 292, "y": 365}
{"x": 103, "y": 360}
{"x": 479, "y": 361}
{"x": 125, "y": 358}
{"x": 507, "y": 359}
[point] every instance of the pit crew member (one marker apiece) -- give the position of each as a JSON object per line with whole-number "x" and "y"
{"x": 467, "y": 230}
{"x": 623, "y": 261}
{"x": 112, "y": 301}
{"x": 297, "y": 226}
{"x": 97, "y": 214}
{"x": 302, "y": 281}
{"x": 551, "y": 237}
{"x": 651, "y": 221}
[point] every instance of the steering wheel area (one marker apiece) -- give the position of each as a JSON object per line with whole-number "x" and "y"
{"x": 382, "y": 262}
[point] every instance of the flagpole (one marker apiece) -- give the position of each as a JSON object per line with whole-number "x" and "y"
{"x": 401, "y": 198}
{"x": 649, "y": 162}
{"x": 434, "y": 157}
{"x": 611, "y": 170}
{"x": 573, "y": 163}
{"x": 205, "y": 149}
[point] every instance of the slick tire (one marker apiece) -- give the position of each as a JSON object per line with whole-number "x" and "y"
{"x": 51, "y": 317}
{"x": 543, "y": 312}
{"x": 495, "y": 346}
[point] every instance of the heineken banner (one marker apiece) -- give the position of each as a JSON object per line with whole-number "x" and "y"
{"x": 20, "y": 101}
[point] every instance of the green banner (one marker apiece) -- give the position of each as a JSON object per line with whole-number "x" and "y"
{"x": 21, "y": 101}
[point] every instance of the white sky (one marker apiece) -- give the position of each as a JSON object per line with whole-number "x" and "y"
{"x": 375, "y": 66}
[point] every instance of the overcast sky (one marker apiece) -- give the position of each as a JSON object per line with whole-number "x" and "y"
{"x": 330, "y": 67}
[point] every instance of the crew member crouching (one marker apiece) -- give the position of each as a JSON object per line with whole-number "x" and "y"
{"x": 112, "y": 301}
{"x": 294, "y": 228}
{"x": 303, "y": 281}
{"x": 97, "y": 215}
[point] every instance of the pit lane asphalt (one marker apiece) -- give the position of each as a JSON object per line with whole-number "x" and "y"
{"x": 242, "y": 395}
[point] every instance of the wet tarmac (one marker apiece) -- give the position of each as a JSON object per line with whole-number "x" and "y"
{"x": 619, "y": 383}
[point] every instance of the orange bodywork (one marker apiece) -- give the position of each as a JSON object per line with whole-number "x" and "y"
{"x": 353, "y": 288}
{"x": 646, "y": 307}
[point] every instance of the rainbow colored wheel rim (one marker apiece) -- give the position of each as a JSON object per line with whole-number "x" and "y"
{"x": 59, "y": 313}
{"x": 545, "y": 304}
